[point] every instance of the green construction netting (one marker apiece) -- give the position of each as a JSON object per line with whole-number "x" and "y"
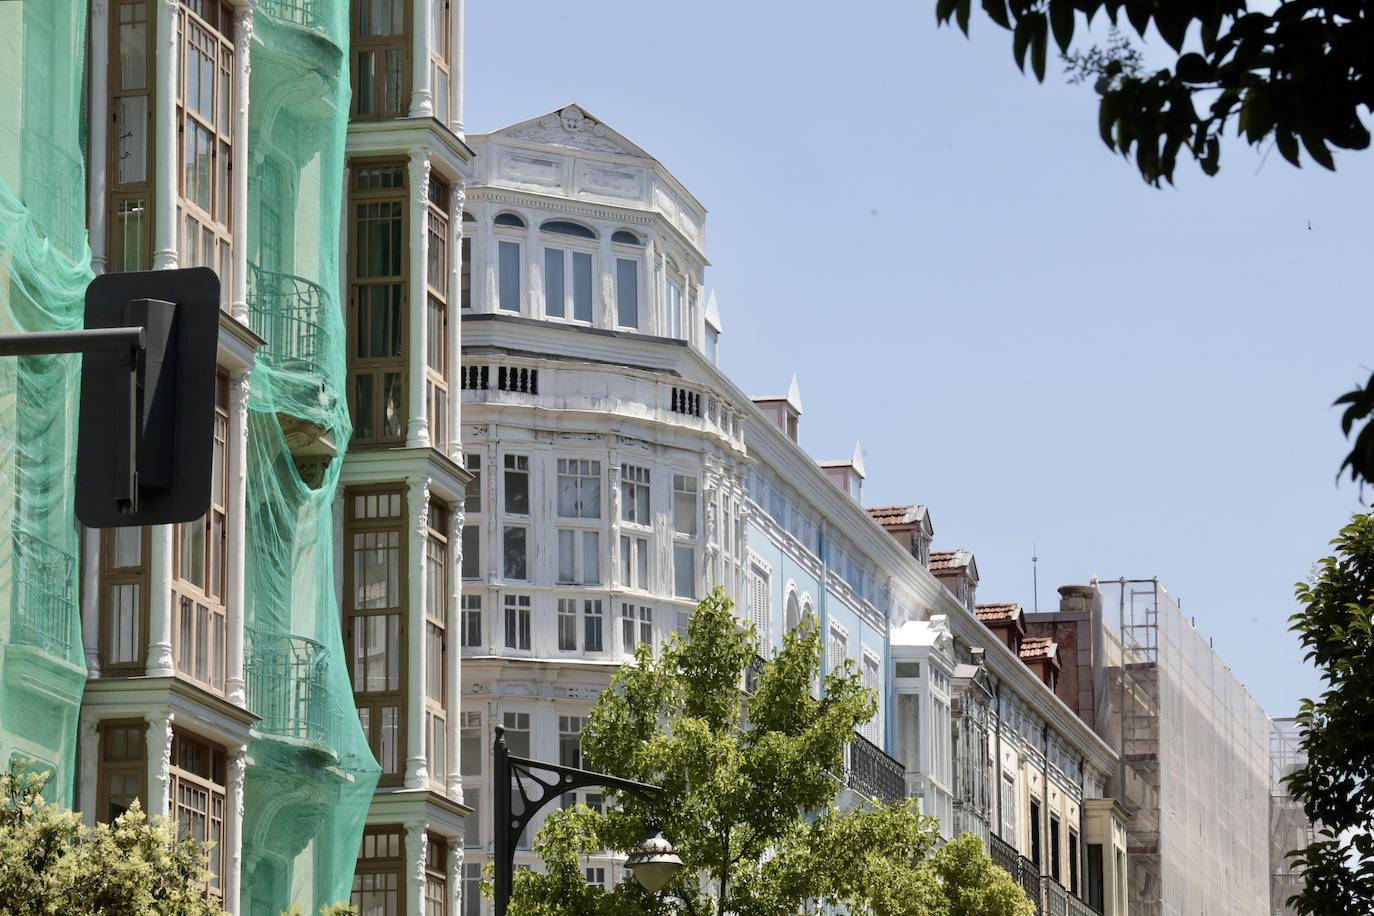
{"x": 44, "y": 269}
{"x": 311, "y": 775}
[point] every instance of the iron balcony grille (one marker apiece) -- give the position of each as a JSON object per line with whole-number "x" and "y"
{"x": 1081, "y": 908}
{"x": 872, "y": 772}
{"x": 1056, "y": 898}
{"x": 286, "y": 686}
{"x": 307, "y": 14}
{"x": 1028, "y": 876}
{"x": 285, "y": 311}
{"x": 1004, "y": 856}
{"x": 44, "y": 599}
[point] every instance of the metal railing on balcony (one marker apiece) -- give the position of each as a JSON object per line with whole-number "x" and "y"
{"x": 308, "y": 14}
{"x": 285, "y": 679}
{"x": 285, "y": 311}
{"x": 869, "y": 770}
{"x": 1079, "y": 907}
{"x": 1004, "y": 856}
{"x": 44, "y": 598}
{"x": 1056, "y": 899}
{"x": 1028, "y": 876}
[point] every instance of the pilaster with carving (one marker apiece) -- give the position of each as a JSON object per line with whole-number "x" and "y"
{"x": 455, "y": 320}
{"x": 160, "y": 662}
{"x": 421, "y": 98}
{"x": 233, "y": 828}
{"x": 236, "y": 545}
{"x": 159, "y": 745}
{"x": 453, "y": 782}
{"x": 90, "y": 599}
{"x": 455, "y": 875}
{"x": 416, "y": 848}
{"x": 88, "y": 767}
{"x": 417, "y": 433}
{"x": 417, "y": 505}
{"x": 165, "y": 53}
{"x": 98, "y": 126}
{"x": 243, "y": 42}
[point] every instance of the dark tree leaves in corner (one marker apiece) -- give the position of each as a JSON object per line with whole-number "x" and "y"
{"x": 1298, "y": 72}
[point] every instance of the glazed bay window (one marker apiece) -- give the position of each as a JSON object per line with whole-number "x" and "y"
{"x": 123, "y": 601}
{"x": 516, "y": 614}
{"x": 515, "y": 552}
{"x": 516, "y": 484}
{"x": 570, "y": 740}
{"x": 579, "y": 498}
{"x": 634, "y": 495}
{"x": 672, "y": 303}
{"x": 510, "y": 229}
{"x": 471, "y": 621}
{"x": 380, "y": 42}
{"x": 517, "y": 726}
{"x": 579, "y": 557}
{"x": 592, "y": 626}
{"x": 379, "y": 876}
{"x": 436, "y": 642}
{"x": 515, "y": 489}
{"x": 684, "y": 536}
{"x": 374, "y": 606}
{"x": 568, "y": 272}
{"x": 472, "y": 888}
{"x": 196, "y": 789}
{"x": 579, "y": 488}
{"x": 130, "y": 153}
{"x": 205, "y": 106}
{"x": 634, "y": 562}
{"x": 472, "y": 552}
{"x": 377, "y": 320}
{"x": 436, "y": 311}
{"x": 436, "y": 856}
{"x": 465, "y": 271}
{"x": 472, "y": 747}
{"x": 199, "y": 560}
{"x": 636, "y": 627}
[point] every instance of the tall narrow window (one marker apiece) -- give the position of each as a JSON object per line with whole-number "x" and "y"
{"x": 593, "y": 625}
{"x": 195, "y": 788}
{"x": 517, "y": 622}
{"x": 130, "y": 153}
{"x": 205, "y": 106}
{"x": 374, "y": 606}
{"x": 579, "y": 488}
{"x": 1035, "y": 831}
{"x": 672, "y": 305}
{"x": 472, "y": 621}
{"x": 465, "y": 271}
{"x": 1054, "y": 847}
{"x": 636, "y": 627}
{"x": 377, "y": 320}
{"x": 627, "y": 292}
{"x": 634, "y": 562}
{"x": 567, "y": 624}
{"x": 517, "y": 726}
{"x": 441, "y": 35}
{"x": 381, "y": 59}
{"x": 123, "y": 769}
{"x": 516, "y": 483}
{"x": 508, "y": 276}
{"x": 872, "y": 679}
{"x": 1073, "y": 862}
{"x": 760, "y": 612}
{"x": 472, "y": 500}
{"x": 436, "y": 311}
{"x": 123, "y": 601}
{"x": 436, "y": 642}
{"x": 199, "y": 563}
{"x": 472, "y": 551}
{"x": 568, "y": 272}
{"x": 472, "y": 747}
{"x": 570, "y": 740}
{"x": 472, "y": 888}
{"x": 379, "y": 875}
{"x": 634, "y": 495}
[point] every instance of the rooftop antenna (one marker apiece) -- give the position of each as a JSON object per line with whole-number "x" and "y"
{"x": 1035, "y": 576}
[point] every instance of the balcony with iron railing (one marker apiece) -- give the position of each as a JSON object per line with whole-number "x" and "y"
{"x": 870, "y": 771}
{"x": 287, "y": 688}
{"x": 286, "y": 311}
{"x": 308, "y": 14}
{"x": 1004, "y": 855}
{"x": 44, "y": 609}
{"x": 1055, "y": 897}
{"x": 1079, "y": 907}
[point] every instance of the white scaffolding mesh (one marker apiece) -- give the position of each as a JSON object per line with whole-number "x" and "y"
{"x": 1194, "y": 764}
{"x": 1289, "y": 828}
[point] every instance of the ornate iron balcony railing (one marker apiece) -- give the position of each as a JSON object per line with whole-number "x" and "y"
{"x": 286, "y": 686}
{"x": 308, "y": 14}
{"x": 871, "y": 771}
{"x": 285, "y": 311}
{"x": 44, "y": 598}
{"x": 1028, "y": 876}
{"x": 1056, "y": 898}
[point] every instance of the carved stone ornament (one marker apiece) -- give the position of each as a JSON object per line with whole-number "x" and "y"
{"x": 572, "y": 128}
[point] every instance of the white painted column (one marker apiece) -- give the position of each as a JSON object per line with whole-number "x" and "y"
{"x": 416, "y": 841}
{"x": 456, "y": 75}
{"x": 484, "y": 259}
{"x": 455, "y": 324}
{"x": 534, "y": 271}
{"x": 417, "y": 508}
{"x": 421, "y": 99}
{"x": 164, "y": 50}
{"x": 90, "y": 599}
{"x": 88, "y": 768}
{"x": 243, "y": 39}
{"x": 606, "y": 269}
{"x": 236, "y": 590}
{"x": 159, "y": 744}
{"x": 453, "y": 782}
{"x": 160, "y": 663}
{"x": 650, "y": 321}
{"x": 99, "y": 126}
{"x": 417, "y": 435}
{"x": 231, "y": 880}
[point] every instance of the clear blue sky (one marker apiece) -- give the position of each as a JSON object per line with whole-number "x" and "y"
{"x": 1024, "y": 336}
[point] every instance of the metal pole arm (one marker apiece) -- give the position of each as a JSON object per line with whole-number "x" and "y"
{"x": 43, "y": 343}
{"x": 510, "y": 772}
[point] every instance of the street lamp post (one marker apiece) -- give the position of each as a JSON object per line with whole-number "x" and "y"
{"x": 653, "y": 862}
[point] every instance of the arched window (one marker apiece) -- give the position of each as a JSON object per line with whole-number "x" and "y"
{"x": 626, "y": 237}
{"x": 569, "y": 273}
{"x": 508, "y": 291}
{"x": 563, "y": 227}
{"x": 793, "y": 610}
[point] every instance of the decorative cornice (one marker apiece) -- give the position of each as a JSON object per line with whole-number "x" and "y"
{"x": 488, "y": 194}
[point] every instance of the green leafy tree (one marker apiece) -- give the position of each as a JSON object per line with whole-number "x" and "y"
{"x": 749, "y": 789}
{"x": 1336, "y": 628}
{"x": 1296, "y": 71}
{"x": 51, "y": 863}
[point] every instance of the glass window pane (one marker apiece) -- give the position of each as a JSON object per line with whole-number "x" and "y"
{"x": 514, "y": 544}
{"x": 627, "y": 292}
{"x": 566, "y": 551}
{"x": 684, "y": 571}
{"x": 554, "y": 291}
{"x": 582, "y": 286}
{"x": 591, "y": 558}
{"x": 509, "y": 276}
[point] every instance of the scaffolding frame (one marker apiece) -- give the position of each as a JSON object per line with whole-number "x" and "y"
{"x": 1194, "y": 771}
{"x": 1289, "y": 828}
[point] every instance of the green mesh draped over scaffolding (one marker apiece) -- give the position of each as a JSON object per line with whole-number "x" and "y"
{"x": 44, "y": 269}
{"x": 311, "y": 776}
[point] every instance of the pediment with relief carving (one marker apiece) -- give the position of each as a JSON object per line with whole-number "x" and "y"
{"x": 573, "y": 128}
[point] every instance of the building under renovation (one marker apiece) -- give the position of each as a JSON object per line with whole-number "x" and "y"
{"x": 1289, "y": 828}
{"x": 1194, "y": 749}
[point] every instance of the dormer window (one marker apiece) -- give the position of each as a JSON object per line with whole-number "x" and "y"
{"x": 568, "y": 272}
{"x": 508, "y": 255}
